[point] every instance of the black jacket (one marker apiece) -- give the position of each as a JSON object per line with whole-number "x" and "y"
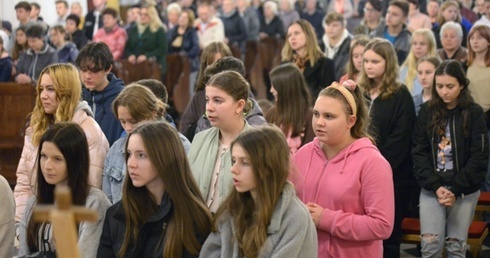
{"x": 190, "y": 45}
{"x": 470, "y": 154}
{"x": 79, "y": 38}
{"x": 149, "y": 242}
{"x": 319, "y": 76}
{"x": 235, "y": 29}
{"x": 88, "y": 26}
{"x": 274, "y": 29}
{"x": 392, "y": 122}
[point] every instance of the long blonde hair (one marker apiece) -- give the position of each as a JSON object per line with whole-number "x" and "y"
{"x": 68, "y": 88}
{"x": 313, "y": 51}
{"x": 155, "y": 22}
{"x": 389, "y": 84}
{"x": 440, "y": 18}
{"x": 411, "y": 61}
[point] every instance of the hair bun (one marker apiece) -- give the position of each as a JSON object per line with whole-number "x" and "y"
{"x": 350, "y": 84}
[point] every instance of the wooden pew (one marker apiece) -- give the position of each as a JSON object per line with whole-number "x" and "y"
{"x": 177, "y": 81}
{"x": 149, "y": 69}
{"x": 16, "y": 103}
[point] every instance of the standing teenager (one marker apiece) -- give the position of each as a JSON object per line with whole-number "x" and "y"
{"x": 344, "y": 180}
{"x": 393, "y": 116}
{"x": 450, "y": 155}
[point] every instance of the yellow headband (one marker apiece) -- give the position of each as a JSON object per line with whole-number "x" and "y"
{"x": 347, "y": 93}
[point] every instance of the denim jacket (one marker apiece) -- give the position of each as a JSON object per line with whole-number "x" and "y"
{"x": 115, "y": 168}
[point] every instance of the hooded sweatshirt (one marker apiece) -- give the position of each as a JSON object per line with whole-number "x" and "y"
{"x": 355, "y": 188}
{"x": 101, "y": 104}
{"x": 32, "y": 63}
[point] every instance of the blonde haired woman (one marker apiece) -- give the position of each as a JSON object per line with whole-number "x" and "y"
{"x": 422, "y": 44}
{"x": 58, "y": 100}
{"x": 147, "y": 39}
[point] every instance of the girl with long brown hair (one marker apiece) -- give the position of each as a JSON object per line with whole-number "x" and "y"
{"x": 162, "y": 213}
{"x": 292, "y": 110}
{"x": 261, "y": 217}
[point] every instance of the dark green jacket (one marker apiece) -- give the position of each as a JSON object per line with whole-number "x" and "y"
{"x": 150, "y": 44}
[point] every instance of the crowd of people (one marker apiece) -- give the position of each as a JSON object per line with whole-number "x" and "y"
{"x": 364, "y": 127}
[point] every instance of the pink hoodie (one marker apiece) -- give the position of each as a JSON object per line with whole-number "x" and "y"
{"x": 356, "y": 190}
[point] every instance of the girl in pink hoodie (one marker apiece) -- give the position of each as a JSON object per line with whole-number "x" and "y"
{"x": 345, "y": 182}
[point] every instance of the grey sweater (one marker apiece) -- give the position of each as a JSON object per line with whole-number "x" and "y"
{"x": 88, "y": 232}
{"x": 7, "y": 214}
{"x": 291, "y": 233}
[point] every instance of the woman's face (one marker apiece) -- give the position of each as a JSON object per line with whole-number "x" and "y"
{"x": 127, "y": 121}
{"x": 425, "y": 74}
{"x": 47, "y": 94}
{"x": 140, "y": 169}
{"x": 55, "y": 37}
{"x": 243, "y": 176}
{"x": 478, "y": 43}
{"x": 268, "y": 13}
{"x": 53, "y": 164}
{"x": 20, "y": 37}
{"x": 330, "y": 122}
{"x": 296, "y": 37}
{"x": 284, "y": 5}
{"x": 420, "y": 48}
{"x": 145, "y": 16}
{"x": 221, "y": 108}
{"x": 448, "y": 88}
{"x": 450, "y": 40}
{"x": 357, "y": 56}
{"x": 450, "y": 13}
{"x": 374, "y": 65}
{"x": 184, "y": 20}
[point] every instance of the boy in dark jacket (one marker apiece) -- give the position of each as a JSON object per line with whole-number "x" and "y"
{"x": 37, "y": 57}
{"x": 101, "y": 87}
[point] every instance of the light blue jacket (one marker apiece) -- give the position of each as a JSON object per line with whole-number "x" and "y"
{"x": 115, "y": 168}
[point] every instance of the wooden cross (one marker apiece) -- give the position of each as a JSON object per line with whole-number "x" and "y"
{"x": 63, "y": 217}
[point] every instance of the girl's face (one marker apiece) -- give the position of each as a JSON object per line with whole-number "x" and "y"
{"x": 296, "y": 37}
{"x": 330, "y": 122}
{"x": 478, "y": 43}
{"x": 357, "y": 57}
{"x": 243, "y": 176}
{"x": 374, "y": 65}
{"x": 53, "y": 164}
{"x": 140, "y": 169}
{"x": 47, "y": 94}
{"x": 425, "y": 74}
{"x": 76, "y": 9}
{"x": 20, "y": 37}
{"x": 448, "y": 88}
{"x": 127, "y": 121}
{"x": 221, "y": 108}
{"x": 420, "y": 48}
{"x": 450, "y": 13}
{"x": 55, "y": 37}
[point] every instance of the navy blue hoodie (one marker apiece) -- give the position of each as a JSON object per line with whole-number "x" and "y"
{"x": 101, "y": 104}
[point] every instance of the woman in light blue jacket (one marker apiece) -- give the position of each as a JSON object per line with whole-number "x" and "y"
{"x": 135, "y": 105}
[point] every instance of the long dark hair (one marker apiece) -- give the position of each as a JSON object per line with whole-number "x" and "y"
{"x": 190, "y": 214}
{"x": 293, "y": 99}
{"x": 438, "y": 107}
{"x": 72, "y": 143}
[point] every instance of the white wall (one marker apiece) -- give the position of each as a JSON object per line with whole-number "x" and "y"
{"x": 48, "y": 10}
